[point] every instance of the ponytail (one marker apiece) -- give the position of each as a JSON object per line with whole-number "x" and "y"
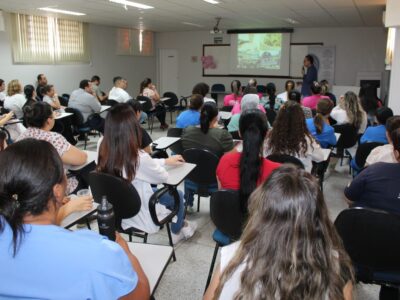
{"x": 253, "y": 128}
{"x": 235, "y": 87}
{"x": 319, "y": 122}
{"x": 208, "y": 112}
{"x": 272, "y": 99}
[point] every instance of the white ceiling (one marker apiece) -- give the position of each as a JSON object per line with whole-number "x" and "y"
{"x": 169, "y": 15}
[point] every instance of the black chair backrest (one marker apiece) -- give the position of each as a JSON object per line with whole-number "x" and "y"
{"x": 66, "y": 96}
{"x": 206, "y": 161}
{"x": 218, "y": 87}
{"x": 147, "y": 105}
{"x": 77, "y": 117}
{"x": 363, "y": 151}
{"x": 235, "y": 135}
{"x": 226, "y": 214}
{"x": 286, "y": 159}
{"x": 348, "y": 137}
{"x": 171, "y": 102}
{"x": 176, "y": 132}
{"x": 261, "y": 89}
{"x": 227, "y": 108}
{"x": 120, "y": 193}
{"x": 112, "y": 102}
{"x": 370, "y": 237}
{"x": 63, "y": 101}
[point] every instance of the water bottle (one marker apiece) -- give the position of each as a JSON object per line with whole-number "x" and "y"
{"x": 106, "y": 219}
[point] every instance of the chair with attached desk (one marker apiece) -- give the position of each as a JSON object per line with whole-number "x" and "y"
{"x": 171, "y": 104}
{"x": 262, "y": 89}
{"x": 363, "y": 150}
{"x": 348, "y": 139}
{"x": 78, "y": 124}
{"x": 202, "y": 180}
{"x": 370, "y": 237}
{"x": 126, "y": 202}
{"x": 112, "y": 102}
{"x": 228, "y": 217}
{"x": 217, "y": 87}
{"x": 177, "y": 147}
{"x": 147, "y": 107}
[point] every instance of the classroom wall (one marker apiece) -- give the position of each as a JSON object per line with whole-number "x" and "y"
{"x": 104, "y": 62}
{"x": 359, "y": 49}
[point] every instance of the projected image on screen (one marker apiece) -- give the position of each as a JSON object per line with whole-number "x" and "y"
{"x": 259, "y": 51}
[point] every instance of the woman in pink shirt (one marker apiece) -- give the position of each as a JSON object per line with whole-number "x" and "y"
{"x": 312, "y": 101}
{"x": 236, "y": 96}
{"x": 248, "y": 90}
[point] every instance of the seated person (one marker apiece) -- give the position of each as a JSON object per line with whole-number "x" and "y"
{"x": 312, "y": 101}
{"x": 15, "y": 100}
{"x": 30, "y": 95}
{"x": 290, "y": 136}
{"x": 50, "y": 96}
{"x": 146, "y": 139}
{"x": 48, "y": 258}
{"x": 349, "y": 111}
{"x": 378, "y": 186}
{"x": 325, "y": 91}
{"x": 203, "y": 89}
{"x": 253, "y": 84}
{"x": 296, "y": 96}
{"x": 40, "y": 121}
{"x": 207, "y": 136}
{"x": 118, "y": 92}
{"x": 248, "y": 90}
{"x": 269, "y": 101}
{"x": 289, "y": 248}
{"x": 246, "y": 169}
{"x": 377, "y": 134}
{"x": 385, "y": 153}
{"x": 148, "y": 89}
{"x": 249, "y": 102}
{"x": 41, "y": 83}
{"x": 83, "y": 100}
{"x": 95, "y": 82}
{"x": 236, "y": 96}
{"x": 320, "y": 127}
{"x": 284, "y": 96}
{"x": 2, "y": 92}
{"x": 191, "y": 117}
{"x": 120, "y": 155}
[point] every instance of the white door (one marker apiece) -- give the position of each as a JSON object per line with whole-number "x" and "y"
{"x": 168, "y": 59}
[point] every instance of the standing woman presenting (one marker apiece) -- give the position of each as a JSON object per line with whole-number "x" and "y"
{"x": 310, "y": 74}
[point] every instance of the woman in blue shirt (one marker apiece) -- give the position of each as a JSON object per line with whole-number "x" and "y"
{"x": 40, "y": 260}
{"x": 191, "y": 117}
{"x": 319, "y": 126}
{"x": 377, "y": 134}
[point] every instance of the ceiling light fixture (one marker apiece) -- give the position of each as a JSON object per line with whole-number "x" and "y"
{"x": 134, "y": 4}
{"x": 61, "y": 11}
{"x": 211, "y": 1}
{"x": 192, "y": 24}
{"x": 291, "y": 21}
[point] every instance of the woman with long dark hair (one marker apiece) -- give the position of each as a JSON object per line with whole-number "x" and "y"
{"x": 148, "y": 89}
{"x": 269, "y": 100}
{"x": 289, "y": 86}
{"x": 289, "y": 248}
{"x": 245, "y": 169}
{"x": 30, "y": 94}
{"x": 320, "y": 127}
{"x": 290, "y": 136}
{"x": 40, "y": 260}
{"x": 236, "y": 96}
{"x": 120, "y": 155}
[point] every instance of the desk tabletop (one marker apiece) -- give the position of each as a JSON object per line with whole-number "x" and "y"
{"x": 104, "y": 108}
{"x": 75, "y": 217}
{"x": 165, "y": 142}
{"x": 326, "y": 152}
{"x": 176, "y": 174}
{"x": 225, "y": 115}
{"x": 91, "y": 157}
{"x": 153, "y": 259}
{"x": 165, "y": 98}
{"x": 337, "y": 135}
{"x": 13, "y": 121}
{"x": 61, "y": 115}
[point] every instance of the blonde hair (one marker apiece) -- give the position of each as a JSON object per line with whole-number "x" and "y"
{"x": 14, "y": 87}
{"x": 353, "y": 108}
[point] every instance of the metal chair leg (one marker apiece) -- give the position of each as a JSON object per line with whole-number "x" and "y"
{"x": 212, "y": 266}
{"x": 198, "y": 203}
{"x": 145, "y": 238}
{"x": 171, "y": 243}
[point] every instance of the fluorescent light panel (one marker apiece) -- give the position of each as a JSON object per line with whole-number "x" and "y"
{"x": 211, "y": 1}
{"x": 192, "y": 24}
{"x": 62, "y": 11}
{"x": 134, "y": 4}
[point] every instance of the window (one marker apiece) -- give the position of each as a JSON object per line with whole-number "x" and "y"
{"x": 47, "y": 40}
{"x": 135, "y": 42}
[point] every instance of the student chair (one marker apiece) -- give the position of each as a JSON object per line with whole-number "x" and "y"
{"x": 126, "y": 203}
{"x": 218, "y": 87}
{"x": 286, "y": 159}
{"x": 77, "y": 123}
{"x": 112, "y": 102}
{"x": 228, "y": 217}
{"x": 171, "y": 104}
{"x": 363, "y": 150}
{"x": 177, "y": 147}
{"x": 227, "y": 108}
{"x": 370, "y": 237}
{"x": 147, "y": 108}
{"x": 261, "y": 89}
{"x": 347, "y": 139}
{"x": 202, "y": 180}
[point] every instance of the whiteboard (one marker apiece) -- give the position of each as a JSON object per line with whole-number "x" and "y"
{"x": 221, "y": 55}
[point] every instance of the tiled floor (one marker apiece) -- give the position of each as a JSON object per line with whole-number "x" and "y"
{"x": 185, "y": 279}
